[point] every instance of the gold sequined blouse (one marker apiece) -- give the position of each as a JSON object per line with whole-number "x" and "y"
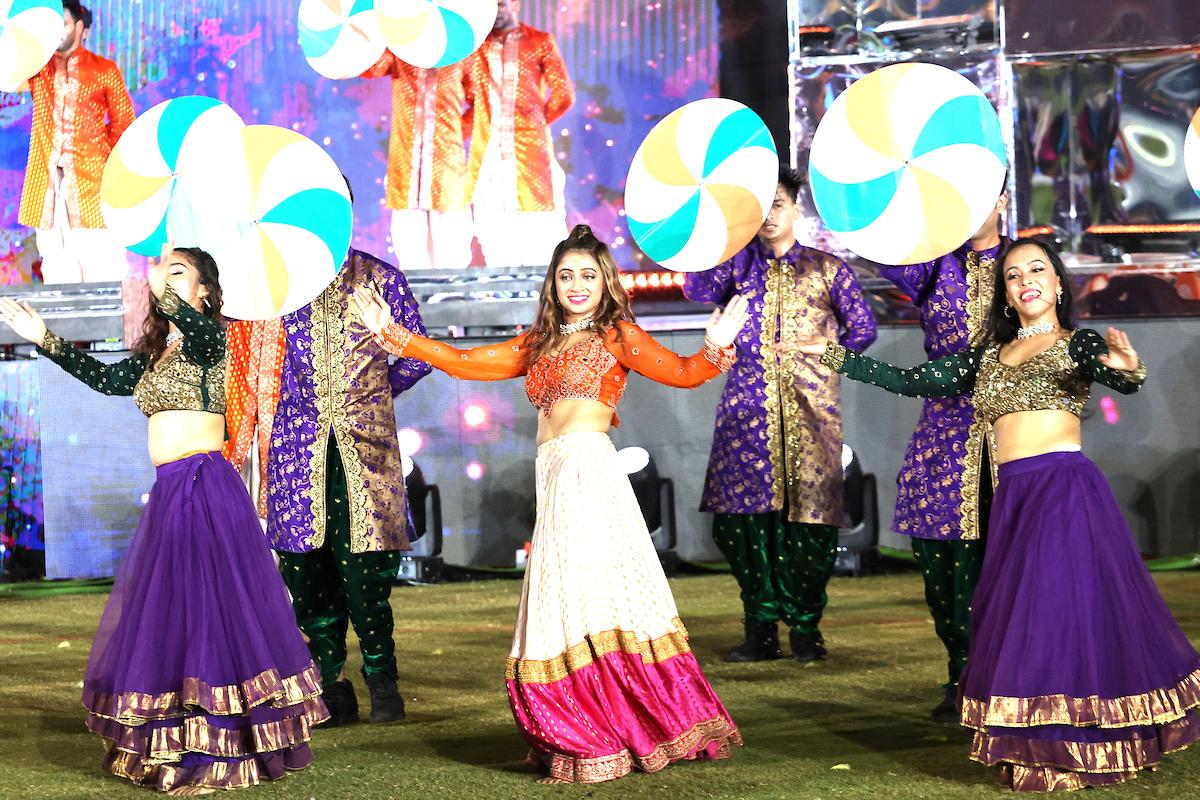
{"x": 1060, "y": 377}
{"x": 190, "y": 377}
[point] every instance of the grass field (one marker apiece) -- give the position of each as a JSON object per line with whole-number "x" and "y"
{"x": 852, "y": 727}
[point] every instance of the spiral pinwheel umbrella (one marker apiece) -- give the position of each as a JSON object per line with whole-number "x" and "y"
{"x": 30, "y": 31}
{"x": 907, "y": 163}
{"x": 268, "y": 203}
{"x": 701, "y": 184}
{"x": 340, "y": 38}
{"x": 1191, "y": 152}
{"x": 435, "y": 33}
{"x": 168, "y": 161}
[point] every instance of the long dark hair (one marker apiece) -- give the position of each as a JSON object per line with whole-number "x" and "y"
{"x": 1001, "y": 326}
{"x": 543, "y": 335}
{"x": 156, "y": 326}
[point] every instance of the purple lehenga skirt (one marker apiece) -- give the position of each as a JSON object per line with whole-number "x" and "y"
{"x": 1078, "y": 675}
{"x": 198, "y": 675}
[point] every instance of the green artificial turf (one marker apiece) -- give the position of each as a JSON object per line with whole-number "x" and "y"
{"x": 852, "y": 727}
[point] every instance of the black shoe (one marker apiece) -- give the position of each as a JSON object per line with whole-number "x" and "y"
{"x": 342, "y": 704}
{"x": 946, "y": 712}
{"x": 762, "y": 643}
{"x": 806, "y": 648}
{"x": 386, "y": 703}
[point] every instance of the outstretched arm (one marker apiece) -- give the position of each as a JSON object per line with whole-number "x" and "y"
{"x": 1111, "y": 361}
{"x": 640, "y": 352}
{"x": 494, "y": 362}
{"x": 945, "y": 377}
{"x": 111, "y": 379}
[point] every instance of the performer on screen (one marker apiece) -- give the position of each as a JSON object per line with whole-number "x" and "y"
{"x": 944, "y": 488}
{"x": 427, "y": 164}
{"x": 601, "y": 678}
{"x": 774, "y": 480}
{"x": 336, "y": 505}
{"x": 80, "y": 109}
{"x": 1077, "y": 674}
{"x": 198, "y": 678}
{"x": 518, "y": 87}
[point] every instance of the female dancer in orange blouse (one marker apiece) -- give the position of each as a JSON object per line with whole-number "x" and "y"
{"x": 600, "y": 676}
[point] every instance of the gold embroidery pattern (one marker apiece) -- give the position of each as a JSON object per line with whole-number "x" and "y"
{"x": 598, "y": 645}
{"x": 337, "y": 337}
{"x": 1064, "y": 761}
{"x": 980, "y": 287}
{"x": 972, "y": 460}
{"x": 770, "y": 367}
{"x": 810, "y": 393}
{"x": 218, "y": 775}
{"x": 1049, "y": 380}
{"x": 1150, "y": 708}
{"x": 53, "y": 344}
{"x": 176, "y": 382}
{"x": 607, "y": 768}
{"x": 195, "y": 734}
{"x": 323, "y": 361}
{"x": 834, "y": 356}
{"x": 134, "y": 708}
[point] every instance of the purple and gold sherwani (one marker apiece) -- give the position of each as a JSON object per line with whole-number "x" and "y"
{"x": 938, "y": 488}
{"x": 941, "y": 493}
{"x": 337, "y": 381}
{"x": 336, "y": 506}
{"x": 774, "y": 477}
{"x": 779, "y": 425}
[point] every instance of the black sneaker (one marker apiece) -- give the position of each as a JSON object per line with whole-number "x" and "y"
{"x": 806, "y": 648}
{"x": 946, "y": 712}
{"x": 762, "y": 643}
{"x": 386, "y": 703}
{"x": 342, "y": 704}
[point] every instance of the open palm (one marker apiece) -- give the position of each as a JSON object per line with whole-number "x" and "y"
{"x": 724, "y": 325}
{"x": 22, "y": 318}
{"x": 1121, "y": 354}
{"x": 370, "y": 308}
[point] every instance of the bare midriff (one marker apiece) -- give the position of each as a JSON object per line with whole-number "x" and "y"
{"x": 572, "y": 416}
{"x": 177, "y": 434}
{"x": 1032, "y": 433}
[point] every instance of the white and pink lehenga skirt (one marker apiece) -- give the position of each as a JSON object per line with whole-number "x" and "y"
{"x": 601, "y": 678}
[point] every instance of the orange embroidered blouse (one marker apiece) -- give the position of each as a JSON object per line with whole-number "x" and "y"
{"x": 594, "y": 369}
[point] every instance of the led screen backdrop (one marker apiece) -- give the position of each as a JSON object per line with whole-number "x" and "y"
{"x": 632, "y": 63}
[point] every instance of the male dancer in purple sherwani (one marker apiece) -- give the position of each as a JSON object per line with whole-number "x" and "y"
{"x": 774, "y": 477}
{"x": 336, "y": 506}
{"x": 944, "y": 487}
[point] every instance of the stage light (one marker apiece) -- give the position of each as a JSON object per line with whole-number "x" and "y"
{"x": 422, "y": 564}
{"x": 474, "y": 415}
{"x": 475, "y": 470}
{"x": 650, "y": 489}
{"x": 145, "y": 498}
{"x": 1112, "y": 414}
{"x": 411, "y": 441}
{"x": 858, "y": 537}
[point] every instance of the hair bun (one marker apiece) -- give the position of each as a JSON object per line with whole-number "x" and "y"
{"x": 581, "y": 231}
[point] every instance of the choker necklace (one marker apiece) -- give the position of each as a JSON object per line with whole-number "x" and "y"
{"x": 173, "y": 337}
{"x": 1035, "y": 330}
{"x": 566, "y": 329}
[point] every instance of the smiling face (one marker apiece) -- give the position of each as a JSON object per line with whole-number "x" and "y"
{"x": 578, "y": 284}
{"x": 779, "y": 226}
{"x": 1030, "y": 283}
{"x": 184, "y": 278}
